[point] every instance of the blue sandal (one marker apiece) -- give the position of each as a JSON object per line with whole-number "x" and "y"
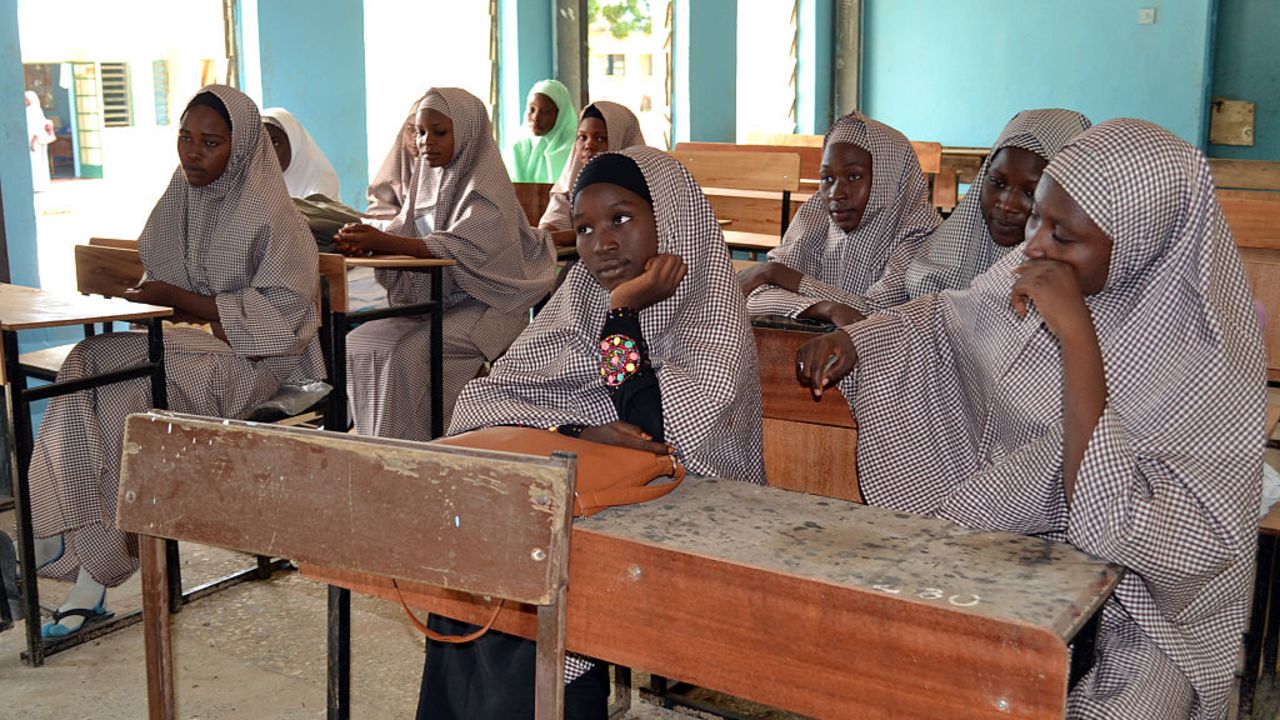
{"x": 92, "y": 616}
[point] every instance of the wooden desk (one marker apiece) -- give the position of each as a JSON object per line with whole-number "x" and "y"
{"x": 25, "y": 308}
{"x": 752, "y": 242}
{"x": 817, "y": 606}
{"x": 753, "y": 210}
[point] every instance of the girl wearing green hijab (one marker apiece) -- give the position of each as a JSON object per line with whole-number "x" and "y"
{"x": 551, "y": 118}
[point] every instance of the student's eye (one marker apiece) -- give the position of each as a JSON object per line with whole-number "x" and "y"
{"x": 855, "y": 177}
{"x": 621, "y": 219}
{"x": 1062, "y": 240}
{"x": 826, "y": 179}
{"x": 584, "y": 230}
{"x": 211, "y": 143}
{"x": 997, "y": 182}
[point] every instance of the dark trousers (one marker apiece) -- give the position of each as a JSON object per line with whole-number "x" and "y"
{"x": 492, "y": 678}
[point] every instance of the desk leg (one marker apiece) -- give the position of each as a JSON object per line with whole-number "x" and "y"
{"x": 437, "y": 353}
{"x": 339, "y": 706}
{"x": 20, "y": 444}
{"x": 338, "y": 417}
{"x": 157, "y": 638}
{"x": 160, "y": 401}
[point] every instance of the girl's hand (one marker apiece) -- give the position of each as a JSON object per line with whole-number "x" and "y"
{"x": 624, "y": 434}
{"x": 359, "y": 239}
{"x": 824, "y": 361}
{"x": 769, "y": 273}
{"x": 152, "y": 292}
{"x": 662, "y": 274}
{"x": 1055, "y": 290}
{"x": 833, "y": 312}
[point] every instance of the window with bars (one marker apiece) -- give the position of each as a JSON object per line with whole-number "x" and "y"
{"x": 615, "y": 64}
{"x": 117, "y": 109}
{"x": 160, "y": 86}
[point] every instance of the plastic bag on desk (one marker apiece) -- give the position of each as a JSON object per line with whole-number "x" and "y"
{"x": 290, "y": 400}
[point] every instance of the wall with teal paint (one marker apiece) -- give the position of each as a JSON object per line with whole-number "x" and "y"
{"x": 525, "y": 56}
{"x": 955, "y": 72}
{"x": 706, "y": 43}
{"x": 312, "y": 63}
{"x": 1247, "y": 67}
{"x": 15, "y": 158}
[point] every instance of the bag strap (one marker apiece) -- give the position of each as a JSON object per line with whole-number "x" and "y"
{"x": 432, "y": 634}
{"x": 609, "y": 497}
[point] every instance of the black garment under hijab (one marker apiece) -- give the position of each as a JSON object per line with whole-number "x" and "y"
{"x": 210, "y": 100}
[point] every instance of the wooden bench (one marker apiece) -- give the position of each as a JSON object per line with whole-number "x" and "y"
{"x": 534, "y": 199}
{"x": 942, "y": 182}
{"x": 485, "y": 523}
{"x": 1254, "y": 219}
{"x": 814, "y": 605}
{"x": 809, "y": 446}
{"x": 776, "y": 175}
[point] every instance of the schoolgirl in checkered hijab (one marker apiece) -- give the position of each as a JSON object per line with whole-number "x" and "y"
{"x": 624, "y": 131}
{"x": 960, "y": 415}
{"x": 700, "y": 346}
{"x": 466, "y": 211}
{"x": 237, "y": 239}
{"x": 389, "y": 188}
{"x": 837, "y": 265}
{"x": 962, "y": 247}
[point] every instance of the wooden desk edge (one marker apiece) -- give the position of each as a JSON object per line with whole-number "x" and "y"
{"x": 397, "y": 261}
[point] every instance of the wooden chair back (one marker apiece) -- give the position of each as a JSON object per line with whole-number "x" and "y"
{"x": 738, "y": 170}
{"x": 1253, "y": 216}
{"x": 114, "y": 242}
{"x": 808, "y": 447}
{"x": 106, "y": 269}
{"x": 534, "y": 198}
{"x": 480, "y": 522}
{"x": 810, "y": 157}
{"x": 334, "y": 268}
{"x": 1245, "y": 174}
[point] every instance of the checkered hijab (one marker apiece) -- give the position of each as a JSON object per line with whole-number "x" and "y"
{"x": 476, "y": 220}
{"x": 624, "y": 132}
{"x": 389, "y": 188}
{"x": 700, "y": 345}
{"x": 897, "y": 217}
{"x": 960, "y": 411}
{"x": 961, "y": 248}
{"x": 240, "y": 240}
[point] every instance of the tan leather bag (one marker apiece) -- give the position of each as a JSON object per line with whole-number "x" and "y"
{"x": 608, "y": 475}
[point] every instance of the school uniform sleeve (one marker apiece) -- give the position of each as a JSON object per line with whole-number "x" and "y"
{"x": 638, "y": 399}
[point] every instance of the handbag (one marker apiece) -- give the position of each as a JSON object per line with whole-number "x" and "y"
{"x": 608, "y": 475}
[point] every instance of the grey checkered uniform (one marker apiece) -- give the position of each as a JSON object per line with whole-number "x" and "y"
{"x": 960, "y": 415}
{"x": 839, "y": 266}
{"x": 238, "y": 239}
{"x": 961, "y": 248}
{"x": 504, "y": 267}
{"x": 389, "y": 187}
{"x": 700, "y": 345}
{"x": 624, "y": 132}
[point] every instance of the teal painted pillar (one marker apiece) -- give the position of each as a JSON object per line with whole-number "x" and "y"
{"x": 704, "y": 66}
{"x": 15, "y": 157}
{"x": 526, "y": 54}
{"x": 311, "y": 56}
{"x": 815, "y": 49}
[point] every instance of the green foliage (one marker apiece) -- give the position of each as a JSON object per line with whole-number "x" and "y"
{"x": 623, "y": 16}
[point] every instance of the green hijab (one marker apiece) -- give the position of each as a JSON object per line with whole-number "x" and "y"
{"x": 540, "y": 159}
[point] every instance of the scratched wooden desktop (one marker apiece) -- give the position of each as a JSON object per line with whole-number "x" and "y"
{"x": 815, "y": 605}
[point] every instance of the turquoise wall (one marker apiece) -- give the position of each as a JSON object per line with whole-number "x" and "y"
{"x": 705, "y": 104}
{"x": 316, "y": 71}
{"x": 1247, "y": 67}
{"x": 955, "y": 72}
{"x": 815, "y": 61}
{"x": 525, "y": 56}
{"x": 15, "y": 158}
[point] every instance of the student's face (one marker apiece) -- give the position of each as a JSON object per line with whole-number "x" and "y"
{"x": 1059, "y": 229}
{"x": 541, "y": 115}
{"x": 435, "y": 137}
{"x": 280, "y": 142}
{"x": 617, "y": 233}
{"x": 1009, "y": 192}
{"x": 846, "y": 180}
{"x": 409, "y": 137}
{"x": 204, "y": 145}
{"x": 593, "y": 139}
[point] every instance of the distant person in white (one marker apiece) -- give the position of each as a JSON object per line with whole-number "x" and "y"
{"x": 306, "y": 170}
{"x": 39, "y": 135}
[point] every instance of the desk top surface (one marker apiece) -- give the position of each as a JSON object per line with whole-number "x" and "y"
{"x": 751, "y": 240}
{"x": 27, "y": 308}
{"x": 1005, "y": 576}
{"x": 397, "y": 261}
